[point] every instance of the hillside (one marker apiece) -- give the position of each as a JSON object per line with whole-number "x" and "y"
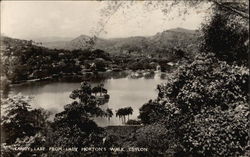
{"x": 173, "y": 38}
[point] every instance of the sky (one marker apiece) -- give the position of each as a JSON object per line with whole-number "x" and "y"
{"x": 38, "y": 19}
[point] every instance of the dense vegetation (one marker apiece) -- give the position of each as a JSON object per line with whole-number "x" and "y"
{"x": 22, "y": 126}
{"x": 227, "y": 37}
{"x": 204, "y": 107}
{"x": 202, "y": 111}
{"x": 25, "y": 60}
{"x": 22, "y": 60}
{"x": 73, "y": 127}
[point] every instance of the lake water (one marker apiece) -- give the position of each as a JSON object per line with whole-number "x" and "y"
{"x": 124, "y": 92}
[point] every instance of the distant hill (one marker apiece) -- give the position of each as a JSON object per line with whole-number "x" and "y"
{"x": 52, "y": 39}
{"x": 27, "y": 59}
{"x": 173, "y": 38}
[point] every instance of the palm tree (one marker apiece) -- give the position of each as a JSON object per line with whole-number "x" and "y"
{"x": 121, "y": 114}
{"x": 109, "y": 113}
{"x": 129, "y": 111}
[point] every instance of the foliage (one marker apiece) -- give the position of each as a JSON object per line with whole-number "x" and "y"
{"x": 99, "y": 65}
{"x": 74, "y": 126}
{"x": 155, "y": 137}
{"x": 151, "y": 112}
{"x": 203, "y": 107}
{"x": 141, "y": 64}
{"x": 207, "y": 82}
{"x": 22, "y": 126}
{"x": 122, "y": 112}
{"x": 36, "y": 141}
{"x": 109, "y": 113}
{"x": 99, "y": 89}
{"x": 22, "y": 60}
{"x": 133, "y": 122}
{"x": 19, "y": 120}
{"x": 206, "y": 106}
{"x": 227, "y": 36}
{"x": 217, "y": 133}
{"x": 239, "y": 8}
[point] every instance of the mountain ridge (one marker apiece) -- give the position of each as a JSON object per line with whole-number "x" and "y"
{"x": 167, "y": 39}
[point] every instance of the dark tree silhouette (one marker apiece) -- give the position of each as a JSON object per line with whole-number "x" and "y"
{"x": 109, "y": 113}
{"x": 74, "y": 125}
{"x": 123, "y": 112}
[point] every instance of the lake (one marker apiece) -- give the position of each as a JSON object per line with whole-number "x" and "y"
{"x": 130, "y": 90}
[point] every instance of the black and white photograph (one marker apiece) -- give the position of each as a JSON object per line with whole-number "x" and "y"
{"x": 125, "y": 78}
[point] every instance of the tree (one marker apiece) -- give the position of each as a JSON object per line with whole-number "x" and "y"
{"x": 99, "y": 89}
{"x": 123, "y": 112}
{"x": 151, "y": 112}
{"x": 74, "y": 126}
{"x": 22, "y": 126}
{"x": 238, "y": 8}
{"x": 129, "y": 111}
{"x": 95, "y": 90}
{"x": 109, "y": 113}
{"x": 83, "y": 94}
{"x": 19, "y": 120}
{"x": 227, "y": 36}
{"x": 207, "y": 82}
{"x": 206, "y": 107}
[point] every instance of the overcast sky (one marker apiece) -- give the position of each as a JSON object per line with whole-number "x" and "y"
{"x": 36, "y": 19}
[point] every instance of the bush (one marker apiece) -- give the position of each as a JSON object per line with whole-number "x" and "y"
{"x": 217, "y": 133}
{"x": 151, "y": 112}
{"x": 155, "y": 137}
{"x": 133, "y": 122}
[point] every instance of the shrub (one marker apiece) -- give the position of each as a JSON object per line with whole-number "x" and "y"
{"x": 217, "y": 133}
{"x": 133, "y": 122}
{"x": 155, "y": 137}
{"x": 151, "y": 112}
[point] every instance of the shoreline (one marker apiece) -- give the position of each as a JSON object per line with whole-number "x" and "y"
{"x": 86, "y": 76}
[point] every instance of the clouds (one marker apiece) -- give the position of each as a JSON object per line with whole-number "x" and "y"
{"x": 34, "y": 19}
